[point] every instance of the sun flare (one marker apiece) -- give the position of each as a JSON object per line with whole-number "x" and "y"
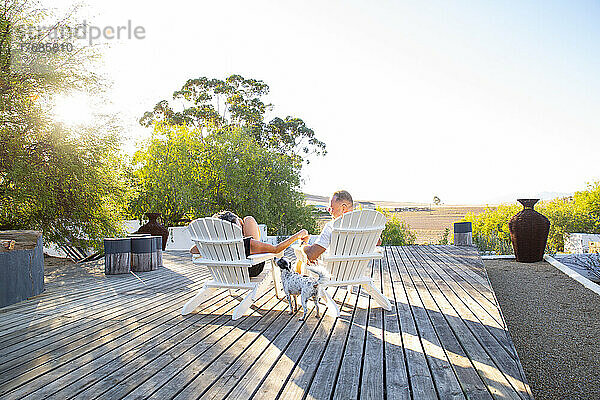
{"x": 73, "y": 110}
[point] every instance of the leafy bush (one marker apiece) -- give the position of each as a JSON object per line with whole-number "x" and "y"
{"x": 68, "y": 186}
{"x": 63, "y": 181}
{"x": 219, "y": 152}
{"x": 490, "y": 228}
{"x": 183, "y": 174}
{"x": 396, "y": 232}
{"x": 444, "y": 238}
{"x": 580, "y": 213}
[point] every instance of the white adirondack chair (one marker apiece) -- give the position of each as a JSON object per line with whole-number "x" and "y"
{"x": 353, "y": 245}
{"x": 221, "y": 247}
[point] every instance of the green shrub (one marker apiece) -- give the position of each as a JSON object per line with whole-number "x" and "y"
{"x": 444, "y": 238}
{"x": 396, "y": 232}
{"x": 181, "y": 173}
{"x": 579, "y": 213}
{"x": 490, "y": 228}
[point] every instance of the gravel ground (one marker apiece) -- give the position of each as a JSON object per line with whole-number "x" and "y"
{"x": 555, "y": 326}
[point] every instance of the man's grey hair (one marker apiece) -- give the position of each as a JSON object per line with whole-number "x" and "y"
{"x": 343, "y": 195}
{"x": 226, "y": 216}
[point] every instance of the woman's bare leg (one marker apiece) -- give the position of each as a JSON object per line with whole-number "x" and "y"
{"x": 251, "y": 228}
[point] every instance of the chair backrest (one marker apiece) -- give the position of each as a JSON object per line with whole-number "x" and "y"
{"x": 221, "y": 243}
{"x": 354, "y": 234}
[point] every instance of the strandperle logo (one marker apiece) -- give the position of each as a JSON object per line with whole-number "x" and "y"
{"x": 65, "y": 34}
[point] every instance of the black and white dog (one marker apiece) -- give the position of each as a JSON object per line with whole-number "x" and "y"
{"x": 295, "y": 284}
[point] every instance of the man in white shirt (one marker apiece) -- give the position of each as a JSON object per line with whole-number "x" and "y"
{"x": 339, "y": 204}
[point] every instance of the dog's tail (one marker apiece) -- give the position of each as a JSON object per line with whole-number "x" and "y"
{"x": 319, "y": 270}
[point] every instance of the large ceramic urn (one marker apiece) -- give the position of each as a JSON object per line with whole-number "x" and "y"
{"x": 154, "y": 228}
{"x": 529, "y": 232}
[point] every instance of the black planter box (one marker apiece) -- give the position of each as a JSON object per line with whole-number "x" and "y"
{"x": 21, "y": 269}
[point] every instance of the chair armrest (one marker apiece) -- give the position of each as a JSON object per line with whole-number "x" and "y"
{"x": 238, "y": 263}
{"x": 258, "y": 258}
{"x": 372, "y": 256}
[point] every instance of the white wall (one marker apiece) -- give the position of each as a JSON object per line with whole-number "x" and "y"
{"x": 579, "y": 242}
{"x": 179, "y": 238}
{"x": 131, "y": 226}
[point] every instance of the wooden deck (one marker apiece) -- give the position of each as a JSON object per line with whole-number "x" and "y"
{"x": 91, "y": 336}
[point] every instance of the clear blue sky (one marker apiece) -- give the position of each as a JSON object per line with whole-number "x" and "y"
{"x": 472, "y": 101}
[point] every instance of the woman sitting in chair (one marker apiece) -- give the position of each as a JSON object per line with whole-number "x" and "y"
{"x": 252, "y": 243}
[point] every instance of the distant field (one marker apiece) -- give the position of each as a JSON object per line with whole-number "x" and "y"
{"x": 429, "y": 223}
{"x": 429, "y": 226}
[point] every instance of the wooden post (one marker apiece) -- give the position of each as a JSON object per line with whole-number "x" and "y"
{"x": 117, "y": 256}
{"x": 463, "y": 234}
{"x": 141, "y": 254}
{"x": 158, "y": 250}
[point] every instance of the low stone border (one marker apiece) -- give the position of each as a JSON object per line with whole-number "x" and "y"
{"x": 497, "y": 256}
{"x": 572, "y": 274}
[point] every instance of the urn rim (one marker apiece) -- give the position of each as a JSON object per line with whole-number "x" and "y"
{"x": 528, "y": 203}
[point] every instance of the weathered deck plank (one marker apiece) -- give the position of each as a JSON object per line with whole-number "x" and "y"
{"x": 444, "y": 378}
{"x": 120, "y": 360}
{"x": 113, "y": 337}
{"x": 420, "y": 378}
{"x": 461, "y": 346}
{"x": 396, "y": 369}
{"x": 372, "y": 377}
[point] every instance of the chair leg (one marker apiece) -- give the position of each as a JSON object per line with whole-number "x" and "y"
{"x": 332, "y": 308}
{"x": 276, "y": 275}
{"x": 376, "y": 294}
{"x": 264, "y": 286}
{"x": 244, "y": 305}
{"x": 203, "y": 294}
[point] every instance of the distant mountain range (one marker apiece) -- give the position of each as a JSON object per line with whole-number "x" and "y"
{"x": 315, "y": 199}
{"x": 324, "y": 200}
{"x": 509, "y": 198}
{"x": 542, "y": 196}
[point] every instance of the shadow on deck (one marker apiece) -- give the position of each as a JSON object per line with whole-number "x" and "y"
{"x": 92, "y": 336}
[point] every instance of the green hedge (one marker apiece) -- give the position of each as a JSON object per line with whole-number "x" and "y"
{"x": 579, "y": 213}
{"x": 397, "y": 232}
